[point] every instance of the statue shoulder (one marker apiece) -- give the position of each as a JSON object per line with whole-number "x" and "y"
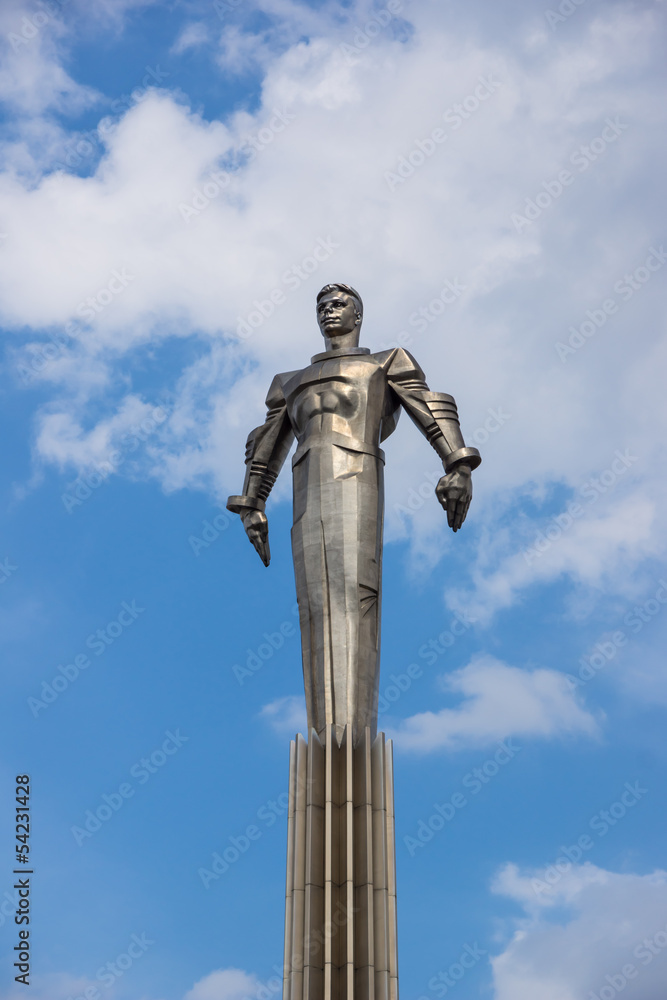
{"x": 399, "y": 363}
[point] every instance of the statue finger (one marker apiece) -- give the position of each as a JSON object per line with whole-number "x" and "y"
{"x": 262, "y": 547}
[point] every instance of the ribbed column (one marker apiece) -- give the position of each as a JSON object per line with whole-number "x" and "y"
{"x": 340, "y": 908}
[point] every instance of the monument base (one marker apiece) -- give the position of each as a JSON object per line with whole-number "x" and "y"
{"x": 340, "y": 909}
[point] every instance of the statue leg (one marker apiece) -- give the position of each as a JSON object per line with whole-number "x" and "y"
{"x": 337, "y": 549}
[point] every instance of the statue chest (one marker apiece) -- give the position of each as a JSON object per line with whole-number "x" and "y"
{"x": 345, "y": 396}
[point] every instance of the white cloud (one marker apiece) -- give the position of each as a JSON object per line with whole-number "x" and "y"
{"x": 286, "y": 716}
{"x": 224, "y": 984}
{"x": 192, "y": 36}
{"x": 32, "y": 78}
{"x": 498, "y": 701}
{"x": 55, "y": 986}
{"x": 613, "y": 922}
{"x": 619, "y": 533}
{"x": 323, "y": 176}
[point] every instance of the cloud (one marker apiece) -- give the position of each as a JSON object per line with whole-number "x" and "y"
{"x": 619, "y": 533}
{"x": 224, "y": 984}
{"x": 210, "y": 226}
{"x": 610, "y": 932}
{"x": 55, "y": 986}
{"x": 192, "y": 36}
{"x": 498, "y": 701}
{"x": 286, "y": 716}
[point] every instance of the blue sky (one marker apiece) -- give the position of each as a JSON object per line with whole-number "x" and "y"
{"x": 490, "y": 177}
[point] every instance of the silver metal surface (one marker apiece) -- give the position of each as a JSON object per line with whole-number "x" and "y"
{"x": 340, "y": 408}
{"x": 340, "y": 933}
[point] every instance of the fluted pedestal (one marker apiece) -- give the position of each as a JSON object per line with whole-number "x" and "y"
{"x": 340, "y": 910}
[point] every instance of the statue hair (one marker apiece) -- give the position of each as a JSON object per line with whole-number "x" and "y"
{"x": 348, "y": 289}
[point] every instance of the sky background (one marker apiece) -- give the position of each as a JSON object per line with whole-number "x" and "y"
{"x": 490, "y": 176}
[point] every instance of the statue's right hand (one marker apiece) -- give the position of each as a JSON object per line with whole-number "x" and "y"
{"x": 257, "y": 530}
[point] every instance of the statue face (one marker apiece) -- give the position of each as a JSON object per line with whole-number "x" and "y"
{"x": 337, "y": 314}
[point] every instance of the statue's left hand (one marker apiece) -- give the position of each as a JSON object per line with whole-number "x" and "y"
{"x": 454, "y": 491}
{"x": 257, "y": 530}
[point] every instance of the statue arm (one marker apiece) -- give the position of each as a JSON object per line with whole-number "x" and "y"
{"x": 436, "y": 416}
{"x": 267, "y": 448}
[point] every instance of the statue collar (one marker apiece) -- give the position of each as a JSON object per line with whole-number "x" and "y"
{"x": 340, "y": 352}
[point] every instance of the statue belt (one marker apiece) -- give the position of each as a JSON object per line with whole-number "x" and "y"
{"x": 341, "y": 441}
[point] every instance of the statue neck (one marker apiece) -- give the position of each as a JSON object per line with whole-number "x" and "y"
{"x": 343, "y": 341}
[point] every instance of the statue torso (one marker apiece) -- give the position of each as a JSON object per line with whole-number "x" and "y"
{"x": 346, "y": 394}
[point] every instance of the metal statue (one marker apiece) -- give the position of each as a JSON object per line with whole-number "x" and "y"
{"x": 340, "y": 408}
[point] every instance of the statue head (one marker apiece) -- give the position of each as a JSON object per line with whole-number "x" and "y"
{"x": 339, "y": 311}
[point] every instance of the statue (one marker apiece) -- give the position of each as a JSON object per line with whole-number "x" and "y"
{"x": 340, "y": 408}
